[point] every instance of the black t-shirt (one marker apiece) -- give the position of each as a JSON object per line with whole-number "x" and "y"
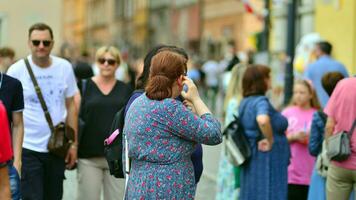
{"x": 11, "y": 94}
{"x": 98, "y": 111}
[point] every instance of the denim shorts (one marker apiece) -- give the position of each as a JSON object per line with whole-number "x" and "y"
{"x": 14, "y": 182}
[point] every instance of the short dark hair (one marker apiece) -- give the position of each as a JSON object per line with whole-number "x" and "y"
{"x": 143, "y": 78}
{"x": 254, "y": 80}
{"x": 41, "y": 27}
{"x": 325, "y": 47}
{"x": 7, "y": 52}
{"x": 329, "y": 81}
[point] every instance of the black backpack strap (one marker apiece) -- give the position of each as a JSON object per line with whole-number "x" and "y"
{"x": 83, "y": 86}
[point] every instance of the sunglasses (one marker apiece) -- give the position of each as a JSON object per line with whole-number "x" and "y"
{"x": 109, "y": 61}
{"x": 45, "y": 43}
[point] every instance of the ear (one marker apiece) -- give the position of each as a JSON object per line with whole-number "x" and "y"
{"x": 180, "y": 81}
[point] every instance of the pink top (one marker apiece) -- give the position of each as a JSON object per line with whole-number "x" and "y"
{"x": 301, "y": 162}
{"x": 342, "y": 108}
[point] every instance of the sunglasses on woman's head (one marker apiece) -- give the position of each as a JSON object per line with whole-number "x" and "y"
{"x": 110, "y": 61}
{"x": 45, "y": 43}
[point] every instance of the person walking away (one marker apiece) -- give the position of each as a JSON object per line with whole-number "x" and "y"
{"x": 341, "y": 112}
{"x": 43, "y": 172}
{"x": 264, "y": 176}
{"x": 102, "y": 98}
{"x": 299, "y": 114}
{"x": 324, "y": 64}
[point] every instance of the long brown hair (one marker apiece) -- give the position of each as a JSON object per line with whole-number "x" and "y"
{"x": 166, "y": 67}
{"x": 314, "y": 102}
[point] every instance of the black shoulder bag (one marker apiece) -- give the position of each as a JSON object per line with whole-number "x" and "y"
{"x": 237, "y": 144}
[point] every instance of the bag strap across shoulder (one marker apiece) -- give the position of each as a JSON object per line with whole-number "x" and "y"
{"x": 352, "y": 128}
{"x": 39, "y": 95}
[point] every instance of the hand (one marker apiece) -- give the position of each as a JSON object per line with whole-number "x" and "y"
{"x": 301, "y": 137}
{"x": 18, "y": 165}
{"x": 264, "y": 145}
{"x": 192, "y": 94}
{"x": 189, "y": 105}
{"x": 71, "y": 157}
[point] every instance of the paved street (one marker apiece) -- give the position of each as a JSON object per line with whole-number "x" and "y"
{"x": 206, "y": 186}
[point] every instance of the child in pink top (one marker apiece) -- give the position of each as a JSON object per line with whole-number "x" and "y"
{"x": 299, "y": 115}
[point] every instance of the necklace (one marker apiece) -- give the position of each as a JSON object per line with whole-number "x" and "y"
{"x": 1, "y": 77}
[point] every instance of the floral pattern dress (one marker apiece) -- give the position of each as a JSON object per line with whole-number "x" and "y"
{"x": 161, "y": 138}
{"x": 227, "y": 173}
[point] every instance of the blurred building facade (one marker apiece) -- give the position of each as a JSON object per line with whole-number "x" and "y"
{"x": 333, "y": 20}
{"x": 228, "y": 20}
{"x": 16, "y": 17}
{"x": 140, "y": 24}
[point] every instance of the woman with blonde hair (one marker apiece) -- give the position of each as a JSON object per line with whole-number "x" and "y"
{"x": 102, "y": 97}
{"x": 229, "y": 175}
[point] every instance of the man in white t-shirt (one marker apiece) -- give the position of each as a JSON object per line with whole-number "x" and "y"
{"x": 42, "y": 172}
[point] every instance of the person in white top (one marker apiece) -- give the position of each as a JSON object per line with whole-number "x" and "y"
{"x": 42, "y": 172}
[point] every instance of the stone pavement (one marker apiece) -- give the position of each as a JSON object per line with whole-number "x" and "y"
{"x": 206, "y": 187}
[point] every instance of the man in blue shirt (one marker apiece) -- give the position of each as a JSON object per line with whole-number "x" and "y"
{"x": 321, "y": 66}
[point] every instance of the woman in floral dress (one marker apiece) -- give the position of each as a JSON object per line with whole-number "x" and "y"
{"x": 162, "y": 132}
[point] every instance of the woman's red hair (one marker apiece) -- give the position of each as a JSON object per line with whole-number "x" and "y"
{"x": 166, "y": 67}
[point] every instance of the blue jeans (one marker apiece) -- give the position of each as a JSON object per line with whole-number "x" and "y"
{"x": 14, "y": 182}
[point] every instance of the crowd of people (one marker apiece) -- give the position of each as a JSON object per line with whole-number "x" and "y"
{"x": 288, "y": 146}
{"x": 166, "y": 122}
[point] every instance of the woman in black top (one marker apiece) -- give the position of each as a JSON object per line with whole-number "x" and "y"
{"x": 103, "y": 96}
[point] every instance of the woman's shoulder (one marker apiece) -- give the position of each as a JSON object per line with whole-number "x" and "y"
{"x": 124, "y": 87}
{"x": 257, "y": 100}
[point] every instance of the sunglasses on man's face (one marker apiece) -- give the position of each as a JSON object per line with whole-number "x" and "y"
{"x": 109, "y": 61}
{"x": 45, "y": 43}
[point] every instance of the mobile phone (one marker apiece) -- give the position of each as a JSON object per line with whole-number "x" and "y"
{"x": 185, "y": 88}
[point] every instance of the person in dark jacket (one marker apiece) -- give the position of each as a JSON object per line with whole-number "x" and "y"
{"x": 317, "y": 182}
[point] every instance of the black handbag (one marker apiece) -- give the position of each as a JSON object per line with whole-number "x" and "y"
{"x": 237, "y": 144}
{"x": 113, "y": 147}
{"x": 62, "y": 135}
